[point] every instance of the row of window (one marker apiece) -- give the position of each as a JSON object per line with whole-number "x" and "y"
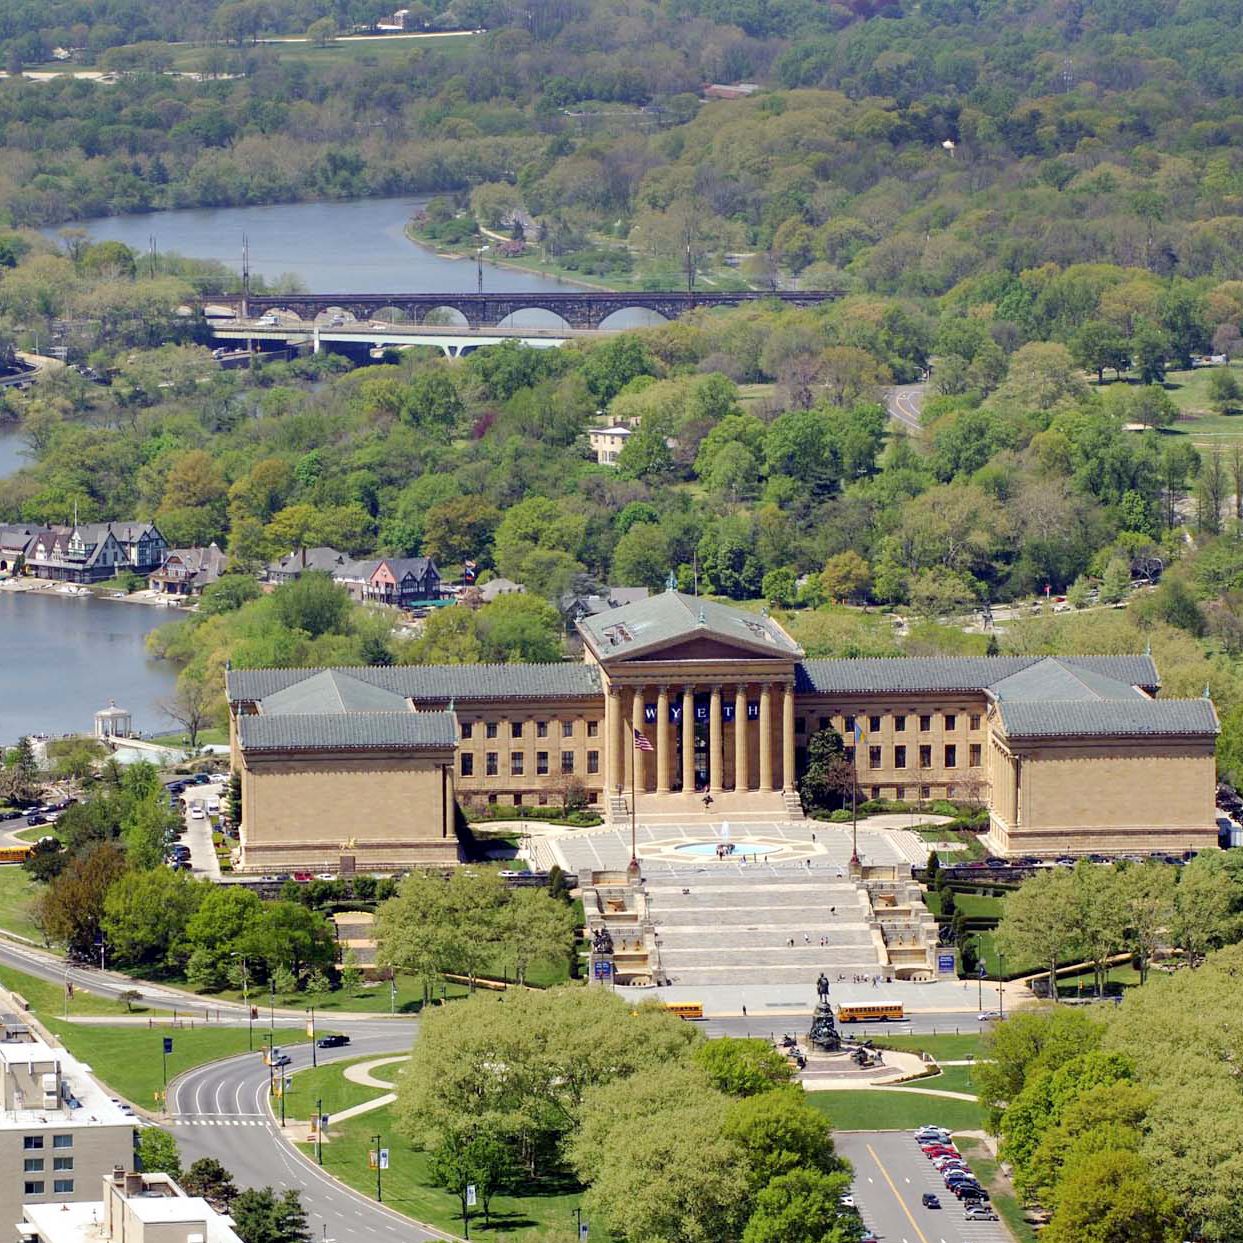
{"x": 876, "y": 756}
{"x": 35, "y": 1142}
{"x": 34, "y": 1165}
{"x": 517, "y": 729}
{"x": 60, "y": 1186}
{"x": 517, "y": 763}
{"x": 949, "y": 723}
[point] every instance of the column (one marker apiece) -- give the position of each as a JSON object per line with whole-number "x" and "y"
{"x": 638, "y": 757}
{"x": 688, "y": 740}
{"x": 742, "y": 764}
{"x": 766, "y": 737}
{"x": 613, "y": 739}
{"x": 662, "y": 741}
{"x": 787, "y": 738}
{"x": 716, "y": 750}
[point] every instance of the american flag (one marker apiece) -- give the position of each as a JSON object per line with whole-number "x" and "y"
{"x": 641, "y": 743}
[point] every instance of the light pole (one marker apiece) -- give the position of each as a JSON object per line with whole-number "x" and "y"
{"x": 979, "y": 972}
{"x": 379, "y": 1186}
{"x": 1001, "y": 971}
{"x": 272, "y": 1008}
{"x": 319, "y": 1131}
{"x": 250, "y": 1017}
{"x": 310, "y": 1027}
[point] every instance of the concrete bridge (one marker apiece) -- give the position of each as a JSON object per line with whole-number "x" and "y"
{"x": 578, "y": 308}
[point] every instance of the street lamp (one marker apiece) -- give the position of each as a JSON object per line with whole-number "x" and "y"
{"x": 1001, "y": 972}
{"x": 310, "y": 1028}
{"x": 479, "y": 265}
{"x": 379, "y": 1186}
{"x": 250, "y": 1017}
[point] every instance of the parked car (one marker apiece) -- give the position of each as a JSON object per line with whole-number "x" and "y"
{"x": 197, "y": 812}
{"x": 335, "y": 1041}
{"x": 302, "y": 876}
{"x": 928, "y": 1200}
{"x": 978, "y": 1212}
{"x": 988, "y": 1016}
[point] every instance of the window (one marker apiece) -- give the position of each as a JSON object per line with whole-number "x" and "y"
{"x": 32, "y": 1141}
{"x": 468, "y": 764}
{"x": 951, "y": 757}
{"x": 925, "y": 724}
{"x": 32, "y": 1165}
{"x": 873, "y": 757}
{"x": 800, "y": 725}
{"x": 491, "y": 800}
{"x": 974, "y": 720}
{"x": 515, "y": 763}
{"x": 541, "y": 763}
{"x": 541, "y": 729}
{"x": 973, "y": 755}
{"x": 850, "y": 755}
{"x": 925, "y": 791}
{"x": 593, "y": 761}
{"x": 850, "y": 725}
{"x": 62, "y": 1186}
{"x": 490, "y": 729}
{"x": 925, "y": 757}
{"x": 593, "y": 729}
{"x": 567, "y": 729}
{"x": 515, "y": 729}
{"x": 34, "y": 1188}
{"x": 899, "y": 724}
{"x": 62, "y": 1141}
{"x": 874, "y": 724}
{"x": 517, "y": 800}
{"x": 489, "y": 763}
{"x": 468, "y": 728}
{"x": 900, "y": 793}
{"x": 899, "y": 759}
{"x": 824, "y": 722}
{"x": 62, "y": 1163}
{"x": 951, "y": 720}
{"x": 543, "y": 800}
{"x": 567, "y": 763}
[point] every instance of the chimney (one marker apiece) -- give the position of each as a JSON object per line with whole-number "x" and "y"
{"x": 118, "y": 1175}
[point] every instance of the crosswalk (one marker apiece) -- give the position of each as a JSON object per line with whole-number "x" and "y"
{"x": 230, "y": 1120}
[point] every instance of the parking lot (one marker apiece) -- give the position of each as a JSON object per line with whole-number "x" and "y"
{"x": 890, "y": 1176}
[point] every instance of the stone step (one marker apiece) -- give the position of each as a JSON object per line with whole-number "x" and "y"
{"x": 692, "y": 977}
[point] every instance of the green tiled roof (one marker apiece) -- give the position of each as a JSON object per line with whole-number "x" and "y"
{"x": 1108, "y": 717}
{"x": 1054, "y": 679}
{"x": 435, "y": 684}
{"x": 670, "y": 618}
{"x": 347, "y": 731}
{"x": 333, "y": 690}
{"x": 910, "y": 674}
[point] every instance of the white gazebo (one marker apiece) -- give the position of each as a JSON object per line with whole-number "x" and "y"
{"x": 113, "y": 722}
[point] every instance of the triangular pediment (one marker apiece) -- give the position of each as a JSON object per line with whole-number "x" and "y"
{"x": 673, "y": 626}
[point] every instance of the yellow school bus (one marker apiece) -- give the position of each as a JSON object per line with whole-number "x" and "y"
{"x": 869, "y": 1012}
{"x": 686, "y": 1009}
{"x": 14, "y": 854}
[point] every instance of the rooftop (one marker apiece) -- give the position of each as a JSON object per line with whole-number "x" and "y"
{"x": 84, "y": 1101}
{"x": 347, "y": 731}
{"x": 1122, "y": 718}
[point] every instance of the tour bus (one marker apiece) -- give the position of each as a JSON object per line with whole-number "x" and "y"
{"x": 869, "y": 1012}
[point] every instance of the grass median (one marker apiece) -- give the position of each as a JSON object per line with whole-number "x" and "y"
{"x": 47, "y": 998}
{"x": 17, "y": 899}
{"x": 1000, "y": 1192}
{"x": 881, "y": 1110}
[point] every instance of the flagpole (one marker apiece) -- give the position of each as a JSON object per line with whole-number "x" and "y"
{"x": 854, "y": 799}
{"x": 634, "y": 764}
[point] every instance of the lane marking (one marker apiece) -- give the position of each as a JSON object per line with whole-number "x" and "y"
{"x": 897, "y": 1195}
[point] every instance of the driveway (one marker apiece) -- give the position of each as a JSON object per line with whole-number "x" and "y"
{"x": 203, "y": 861}
{"x": 890, "y": 1176}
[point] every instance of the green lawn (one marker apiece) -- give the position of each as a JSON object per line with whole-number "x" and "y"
{"x": 949, "y": 1048}
{"x": 129, "y": 1059}
{"x": 328, "y": 1085}
{"x": 408, "y": 1189}
{"x": 366, "y": 998}
{"x": 984, "y": 1166}
{"x": 879, "y": 1110}
{"x": 188, "y": 57}
{"x": 47, "y": 999}
{"x": 17, "y": 898}
{"x": 1190, "y": 393}
{"x": 177, "y": 738}
{"x": 973, "y": 905}
{"x": 951, "y": 1079}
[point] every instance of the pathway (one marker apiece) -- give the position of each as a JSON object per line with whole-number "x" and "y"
{"x": 361, "y": 1073}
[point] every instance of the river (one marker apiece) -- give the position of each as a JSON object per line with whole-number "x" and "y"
{"x": 12, "y": 450}
{"x": 64, "y": 657}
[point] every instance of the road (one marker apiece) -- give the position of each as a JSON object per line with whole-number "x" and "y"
{"x": 220, "y": 1110}
{"x": 761, "y": 1025}
{"x": 890, "y": 1176}
{"x": 904, "y": 404}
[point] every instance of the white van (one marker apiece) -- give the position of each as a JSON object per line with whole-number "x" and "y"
{"x": 213, "y": 807}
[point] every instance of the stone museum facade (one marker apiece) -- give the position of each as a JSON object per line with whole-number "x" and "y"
{"x": 362, "y": 767}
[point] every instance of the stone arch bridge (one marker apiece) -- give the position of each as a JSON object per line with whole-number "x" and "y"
{"x": 579, "y": 308}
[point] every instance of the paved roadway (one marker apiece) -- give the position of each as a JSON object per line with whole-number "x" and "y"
{"x": 220, "y": 1110}
{"x": 890, "y": 1176}
{"x": 903, "y": 404}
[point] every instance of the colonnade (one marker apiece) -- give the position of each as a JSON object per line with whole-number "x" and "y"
{"x": 653, "y": 771}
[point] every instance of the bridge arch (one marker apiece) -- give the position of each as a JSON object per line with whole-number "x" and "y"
{"x": 632, "y": 317}
{"x": 327, "y": 314}
{"x": 445, "y": 316}
{"x": 390, "y": 315}
{"x": 534, "y": 316}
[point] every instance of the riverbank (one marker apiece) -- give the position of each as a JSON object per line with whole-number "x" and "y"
{"x": 43, "y": 586}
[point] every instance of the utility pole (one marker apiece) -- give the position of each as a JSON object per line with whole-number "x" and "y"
{"x": 1001, "y": 971}
{"x": 310, "y": 1031}
{"x": 272, "y": 1008}
{"x": 245, "y": 277}
{"x": 319, "y": 1130}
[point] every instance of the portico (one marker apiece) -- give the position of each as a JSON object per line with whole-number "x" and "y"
{"x": 711, "y": 689}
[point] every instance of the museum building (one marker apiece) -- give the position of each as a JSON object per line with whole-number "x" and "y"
{"x": 362, "y": 767}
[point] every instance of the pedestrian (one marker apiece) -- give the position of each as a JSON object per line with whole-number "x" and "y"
{"x": 813, "y": 837}
{"x": 744, "y": 1012}
{"x": 806, "y": 939}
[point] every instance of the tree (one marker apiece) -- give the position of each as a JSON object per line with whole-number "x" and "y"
{"x": 218, "y": 931}
{"x": 641, "y": 557}
{"x": 1150, "y": 351}
{"x": 261, "y": 1216}
{"x": 740, "y": 1067}
{"x": 480, "y": 1161}
{"x": 1223, "y": 390}
{"x": 194, "y": 704}
{"x": 1147, "y": 896}
{"x": 519, "y": 627}
{"x": 829, "y": 774}
{"x": 72, "y": 909}
{"x": 312, "y": 603}
{"x": 779, "y": 1132}
{"x": 1038, "y": 920}
{"x": 157, "y": 1152}
{"x": 535, "y": 928}
{"x": 1204, "y": 917}
{"x": 803, "y": 1206}
{"x": 206, "y": 1177}
{"x": 20, "y": 775}
{"x": 780, "y": 587}
{"x": 145, "y": 917}
{"x": 1097, "y": 346}
{"x": 322, "y": 32}
{"x": 1111, "y": 1197}
{"x": 846, "y": 575}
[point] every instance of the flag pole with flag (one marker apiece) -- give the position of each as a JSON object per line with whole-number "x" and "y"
{"x": 641, "y": 744}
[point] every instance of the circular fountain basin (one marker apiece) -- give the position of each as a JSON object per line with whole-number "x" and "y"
{"x": 741, "y": 848}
